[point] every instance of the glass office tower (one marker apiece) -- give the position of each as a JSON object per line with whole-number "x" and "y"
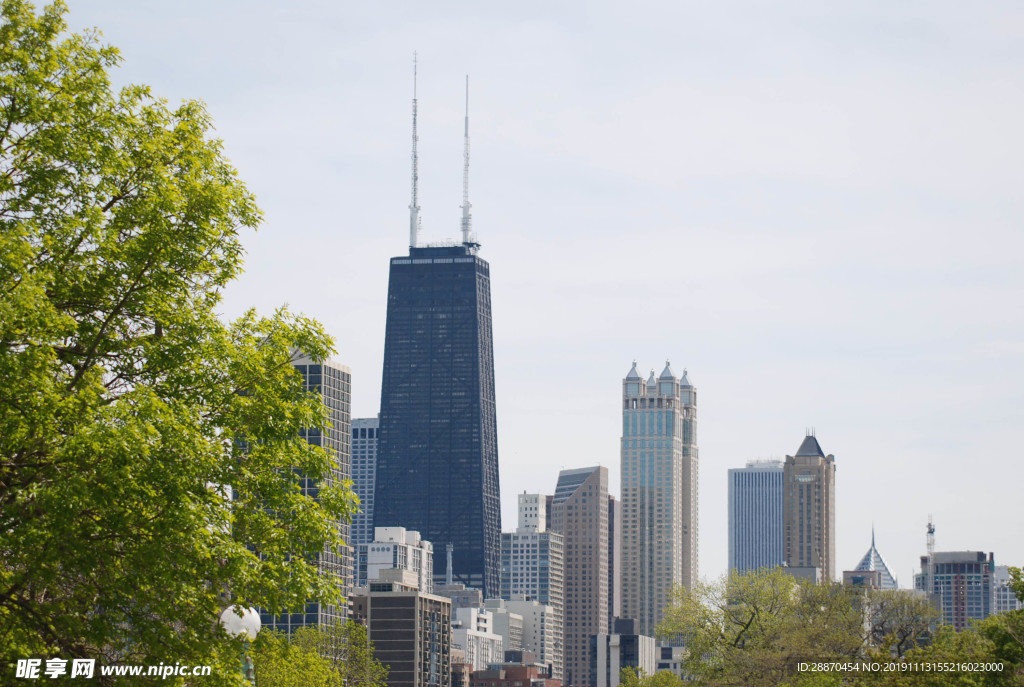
{"x": 437, "y": 460}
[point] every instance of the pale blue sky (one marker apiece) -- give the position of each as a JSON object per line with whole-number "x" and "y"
{"x": 816, "y": 210}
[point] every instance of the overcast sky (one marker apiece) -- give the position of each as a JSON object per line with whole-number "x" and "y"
{"x": 816, "y": 210}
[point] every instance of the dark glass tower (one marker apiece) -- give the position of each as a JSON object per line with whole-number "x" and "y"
{"x": 437, "y": 461}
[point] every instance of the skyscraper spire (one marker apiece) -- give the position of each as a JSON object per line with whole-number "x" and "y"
{"x": 414, "y": 208}
{"x": 467, "y": 219}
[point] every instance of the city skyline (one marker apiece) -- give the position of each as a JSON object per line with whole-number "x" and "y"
{"x": 835, "y": 193}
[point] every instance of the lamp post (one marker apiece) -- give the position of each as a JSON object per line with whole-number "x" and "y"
{"x": 238, "y": 621}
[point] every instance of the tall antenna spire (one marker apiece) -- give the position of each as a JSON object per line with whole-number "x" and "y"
{"x": 414, "y": 208}
{"x": 467, "y": 219}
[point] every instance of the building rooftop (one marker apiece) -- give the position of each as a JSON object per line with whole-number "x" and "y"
{"x": 810, "y": 447}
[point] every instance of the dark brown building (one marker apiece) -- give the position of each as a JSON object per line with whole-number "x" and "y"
{"x": 411, "y": 633}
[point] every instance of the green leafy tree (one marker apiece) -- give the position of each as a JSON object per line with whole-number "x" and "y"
{"x": 898, "y": 621}
{"x": 339, "y": 655}
{"x": 948, "y": 648}
{"x": 128, "y": 411}
{"x": 732, "y": 628}
{"x": 282, "y": 661}
{"x": 755, "y": 628}
{"x": 353, "y": 656}
{"x": 636, "y": 677}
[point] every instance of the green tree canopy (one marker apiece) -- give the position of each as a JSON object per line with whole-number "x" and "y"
{"x": 129, "y": 413}
{"x": 339, "y": 655}
{"x": 755, "y": 628}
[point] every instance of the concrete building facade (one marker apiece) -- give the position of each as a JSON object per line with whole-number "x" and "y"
{"x": 473, "y": 633}
{"x": 533, "y": 569}
{"x": 579, "y": 512}
{"x": 411, "y": 633}
{"x": 624, "y": 648}
{"x": 614, "y": 560}
{"x": 396, "y": 547}
{"x": 542, "y": 632}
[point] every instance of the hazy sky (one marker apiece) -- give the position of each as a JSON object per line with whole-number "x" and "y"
{"x": 816, "y": 210}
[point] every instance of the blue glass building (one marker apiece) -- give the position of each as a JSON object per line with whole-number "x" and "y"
{"x": 437, "y": 460}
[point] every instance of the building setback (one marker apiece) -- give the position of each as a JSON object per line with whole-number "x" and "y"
{"x": 659, "y": 492}
{"x": 332, "y": 382}
{"x": 579, "y": 512}
{"x": 755, "y": 516}
{"x": 364, "y": 476}
{"x": 437, "y": 461}
{"x": 808, "y": 510}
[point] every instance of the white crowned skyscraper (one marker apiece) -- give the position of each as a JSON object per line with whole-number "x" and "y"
{"x": 659, "y": 492}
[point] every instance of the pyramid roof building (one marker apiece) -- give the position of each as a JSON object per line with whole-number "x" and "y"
{"x": 873, "y": 560}
{"x": 810, "y": 447}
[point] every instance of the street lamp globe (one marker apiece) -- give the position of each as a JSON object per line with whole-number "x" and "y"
{"x": 238, "y": 621}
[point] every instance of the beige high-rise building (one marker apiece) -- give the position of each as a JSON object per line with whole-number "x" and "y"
{"x": 809, "y": 510}
{"x": 579, "y": 512}
{"x": 659, "y": 493}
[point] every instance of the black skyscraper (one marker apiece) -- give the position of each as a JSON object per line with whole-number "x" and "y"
{"x": 437, "y": 462}
{"x": 437, "y": 457}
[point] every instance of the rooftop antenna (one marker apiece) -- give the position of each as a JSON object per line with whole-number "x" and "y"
{"x": 467, "y": 219}
{"x": 448, "y": 573}
{"x": 414, "y": 208}
{"x": 930, "y": 581}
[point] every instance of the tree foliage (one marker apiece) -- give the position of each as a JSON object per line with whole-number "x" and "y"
{"x": 756, "y": 628}
{"x": 128, "y": 410}
{"x": 339, "y": 655}
{"x": 636, "y": 677}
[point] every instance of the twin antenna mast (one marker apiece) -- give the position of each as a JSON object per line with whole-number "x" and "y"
{"x": 414, "y": 207}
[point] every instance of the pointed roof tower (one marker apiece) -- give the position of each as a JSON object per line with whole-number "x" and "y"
{"x": 873, "y": 560}
{"x": 650, "y": 380}
{"x": 667, "y": 372}
{"x": 633, "y": 374}
{"x": 810, "y": 447}
{"x": 684, "y": 380}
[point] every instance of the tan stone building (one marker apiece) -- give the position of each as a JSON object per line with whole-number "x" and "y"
{"x": 579, "y": 512}
{"x": 809, "y": 510}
